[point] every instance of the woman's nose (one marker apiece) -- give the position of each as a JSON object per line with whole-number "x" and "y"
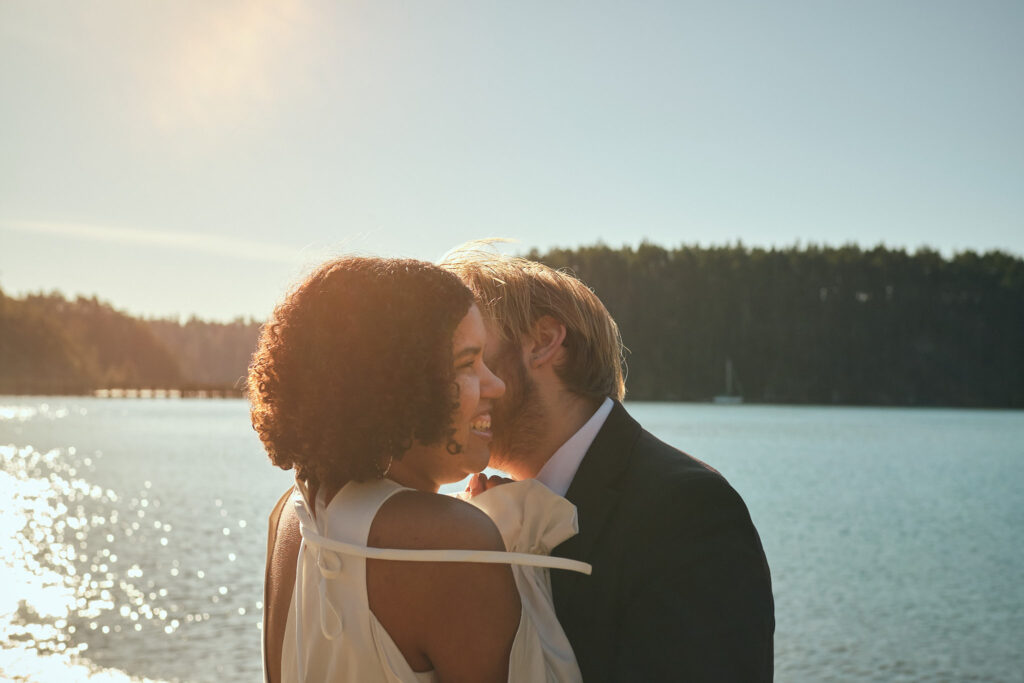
{"x": 493, "y": 386}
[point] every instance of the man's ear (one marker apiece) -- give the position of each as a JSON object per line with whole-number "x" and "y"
{"x": 545, "y": 342}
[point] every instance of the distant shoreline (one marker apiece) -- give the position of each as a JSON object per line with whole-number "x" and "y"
{"x": 795, "y": 326}
{"x": 149, "y": 393}
{"x": 236, "y": 394}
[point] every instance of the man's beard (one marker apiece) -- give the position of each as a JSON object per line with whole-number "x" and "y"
{"x": 519, "y": 418}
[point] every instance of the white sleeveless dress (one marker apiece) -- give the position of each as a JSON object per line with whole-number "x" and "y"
{"x": 331, "y": 634}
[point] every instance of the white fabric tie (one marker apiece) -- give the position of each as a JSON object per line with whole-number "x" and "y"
{"x": 482, "y": 556}
{"x": 329, "y": 564}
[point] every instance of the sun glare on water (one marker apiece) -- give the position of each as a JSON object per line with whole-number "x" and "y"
{"x": 89, "y": 575}
{"x": 46, "y": 598}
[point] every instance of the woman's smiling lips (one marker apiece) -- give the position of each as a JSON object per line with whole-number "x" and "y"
{"x": 481, "y": 425}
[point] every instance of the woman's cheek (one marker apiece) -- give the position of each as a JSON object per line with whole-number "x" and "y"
{"x": 467, "y": 396}
{"x": 472, "y": 390}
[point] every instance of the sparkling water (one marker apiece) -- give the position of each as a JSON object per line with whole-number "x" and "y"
{"x": 133, "y": 534}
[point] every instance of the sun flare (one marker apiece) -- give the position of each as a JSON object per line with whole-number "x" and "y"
{"x": 227, "y": 65}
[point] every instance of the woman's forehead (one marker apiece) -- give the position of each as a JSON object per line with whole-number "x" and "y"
{"x": 470, "y": 330}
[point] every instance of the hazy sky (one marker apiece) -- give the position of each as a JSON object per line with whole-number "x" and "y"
{"x": 198, "y": 156}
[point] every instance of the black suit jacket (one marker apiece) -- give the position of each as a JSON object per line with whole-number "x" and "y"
{"x": 680, "y": 589}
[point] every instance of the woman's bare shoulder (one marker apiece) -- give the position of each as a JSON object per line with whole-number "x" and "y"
{"x": 420, "y": 520}
{"x": 433, "y": 609}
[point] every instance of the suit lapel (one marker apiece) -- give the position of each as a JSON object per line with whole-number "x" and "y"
{"x": 595, "y": 491}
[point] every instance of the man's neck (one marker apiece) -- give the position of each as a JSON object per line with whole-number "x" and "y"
{"x": 565, "y": 414}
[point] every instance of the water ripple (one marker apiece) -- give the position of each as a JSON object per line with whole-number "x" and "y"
{"x": 90, "y": 565}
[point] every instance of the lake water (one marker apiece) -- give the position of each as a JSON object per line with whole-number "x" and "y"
{"x": 133, "y": 534}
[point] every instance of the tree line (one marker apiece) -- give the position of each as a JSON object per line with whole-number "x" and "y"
{"x": 798, "y": 325}
{"x": 53, "y": 345}
{"x": 814, "y": 325}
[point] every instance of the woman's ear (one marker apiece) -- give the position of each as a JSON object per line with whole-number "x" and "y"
{"x": 545, "y": 341}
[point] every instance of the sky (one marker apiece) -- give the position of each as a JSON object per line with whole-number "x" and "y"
{"x": 197, "y": 157}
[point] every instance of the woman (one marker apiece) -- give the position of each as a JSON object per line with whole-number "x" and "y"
{"x": 369, "y": 381}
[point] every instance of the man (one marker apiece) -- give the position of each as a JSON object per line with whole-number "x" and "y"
{"x": 680, "y": 588}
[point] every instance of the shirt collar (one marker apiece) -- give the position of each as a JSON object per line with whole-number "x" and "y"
{"x": 559, "y": 470}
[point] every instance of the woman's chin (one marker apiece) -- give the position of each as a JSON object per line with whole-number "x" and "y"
{"x": 478, "y": 462}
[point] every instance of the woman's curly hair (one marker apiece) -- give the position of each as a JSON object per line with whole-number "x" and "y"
{"x": 354, "y": 365}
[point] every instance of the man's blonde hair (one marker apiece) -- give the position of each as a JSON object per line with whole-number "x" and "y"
{"x": 515, "y": 293}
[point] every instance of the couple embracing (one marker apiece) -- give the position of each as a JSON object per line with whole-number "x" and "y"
{"x": 612, "y": 557}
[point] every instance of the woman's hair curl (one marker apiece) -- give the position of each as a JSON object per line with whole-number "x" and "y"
{"x": 354, "y": 365}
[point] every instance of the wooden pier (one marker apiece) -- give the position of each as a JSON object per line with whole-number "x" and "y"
{"x": 184, "y": 391}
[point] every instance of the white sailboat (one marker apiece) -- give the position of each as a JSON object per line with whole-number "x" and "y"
{"x": 730, "y": 397}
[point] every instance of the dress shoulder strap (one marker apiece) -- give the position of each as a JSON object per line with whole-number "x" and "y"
{"x": 349, "y": 514}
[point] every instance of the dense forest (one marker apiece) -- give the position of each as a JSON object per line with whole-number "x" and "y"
{"x": 52, "y": 345}
{"x": 209, "y": 353}
{"x": 797, "y": 325}
{"x": 814, "y": 325}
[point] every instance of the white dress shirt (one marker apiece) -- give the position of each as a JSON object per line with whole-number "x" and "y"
{"x": 558, "y": 472}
